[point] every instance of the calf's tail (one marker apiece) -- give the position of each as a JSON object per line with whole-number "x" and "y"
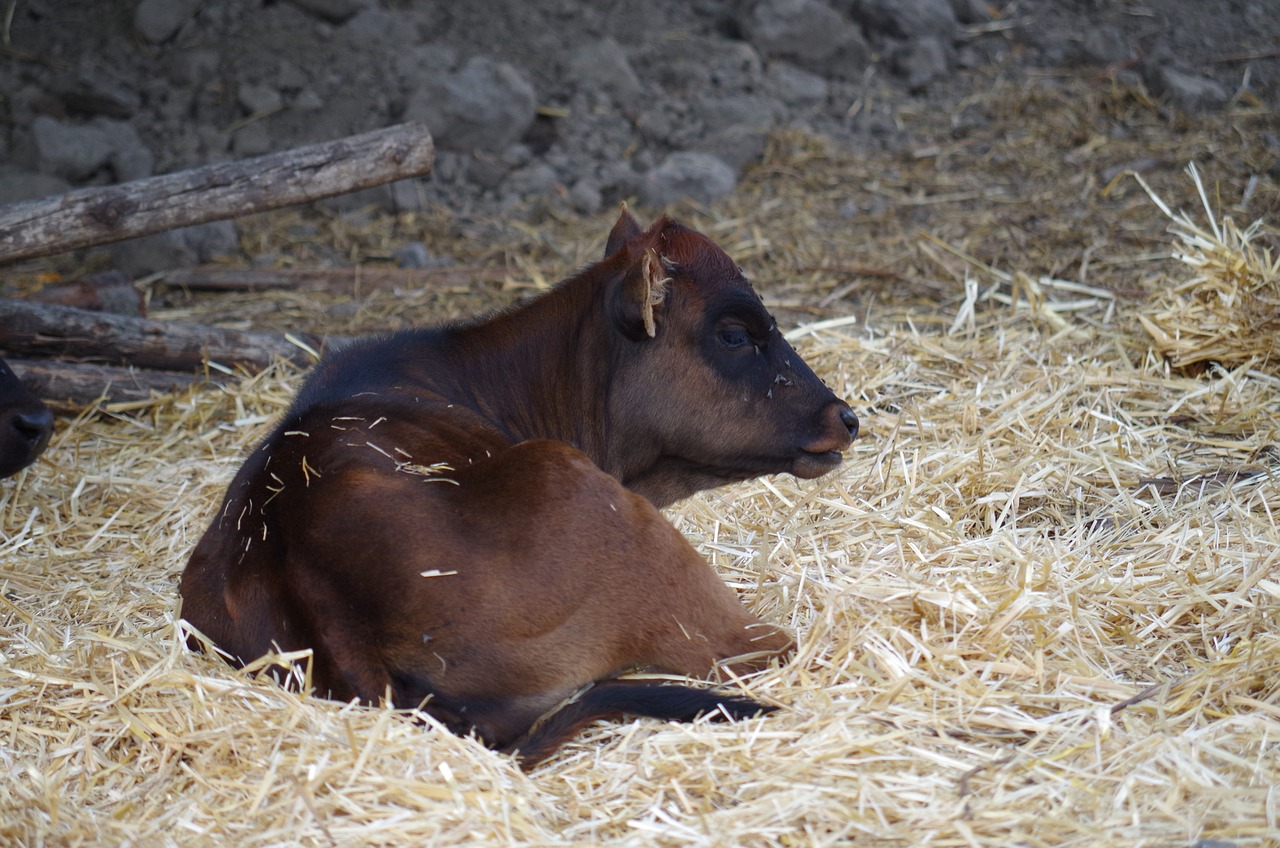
{"x": 617, "y": 698}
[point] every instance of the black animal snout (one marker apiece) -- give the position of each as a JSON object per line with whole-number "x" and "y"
{"x": 850, "y": 421}
{"x": 24, "y": 432}
{"x": 33, "y": 427}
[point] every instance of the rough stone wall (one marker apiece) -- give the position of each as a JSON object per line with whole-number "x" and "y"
{"x": 573, "y": 102}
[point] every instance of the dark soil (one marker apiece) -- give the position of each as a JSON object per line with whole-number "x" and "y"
{"x": 93, "y": 93}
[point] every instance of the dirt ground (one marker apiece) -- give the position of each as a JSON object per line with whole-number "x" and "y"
{"x": 245, "y": 77}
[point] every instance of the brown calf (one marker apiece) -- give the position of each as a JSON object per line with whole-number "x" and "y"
{"x": 466, "y": 518}
{"x": 25, "y": 424}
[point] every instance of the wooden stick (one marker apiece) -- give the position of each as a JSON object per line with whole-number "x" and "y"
{"x": 111, "y": 291}
{"x": 36, "y": 329}
{"x": 218, "y": 278}
{"x": 71, "y": 386}
{"x": 93, "y": 216}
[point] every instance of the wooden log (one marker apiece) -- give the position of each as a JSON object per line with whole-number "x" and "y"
{"x": 340, "y": 280}
{"x": 94, "y": 216}
{"x": 111, "y": 291}
{"x": 69, "y": 387}
{"x": 36, "y": 329}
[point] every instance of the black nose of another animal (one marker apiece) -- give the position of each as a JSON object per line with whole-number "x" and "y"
{"x": 34, "y": 428}
{"x": 849, "y": 420}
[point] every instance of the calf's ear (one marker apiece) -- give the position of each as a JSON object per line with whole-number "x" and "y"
{"x": 623, "y": 231}
{"x": 638, "y": 296}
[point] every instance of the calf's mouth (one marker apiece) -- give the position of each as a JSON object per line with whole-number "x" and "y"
{"x": 826, "y": 453}
{"x": 811, "y": 464}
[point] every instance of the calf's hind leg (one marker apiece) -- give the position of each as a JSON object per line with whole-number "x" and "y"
{"x": 625, "y": 589}
{"x": 620, "y": 698}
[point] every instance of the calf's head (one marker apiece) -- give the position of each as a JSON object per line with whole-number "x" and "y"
{"x": 25, "y": 424}
{"x": 707, "y": 385}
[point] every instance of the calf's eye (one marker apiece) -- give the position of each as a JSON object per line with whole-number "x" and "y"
{"x": 734, "y": 338}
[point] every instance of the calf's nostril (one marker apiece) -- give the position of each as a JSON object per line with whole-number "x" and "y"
{"x": 850, "y": 421}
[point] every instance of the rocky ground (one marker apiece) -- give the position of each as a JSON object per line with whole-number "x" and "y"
{"x": 548, "y": 104}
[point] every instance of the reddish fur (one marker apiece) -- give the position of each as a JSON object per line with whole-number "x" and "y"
{"x": 564, "y": 427}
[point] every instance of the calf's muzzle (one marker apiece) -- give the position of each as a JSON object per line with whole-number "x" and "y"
{"x": 837, "y": 427}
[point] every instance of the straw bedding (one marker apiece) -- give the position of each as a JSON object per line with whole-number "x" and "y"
{"x": 1228, "y": 313}
{"x": 1039, "y": 605}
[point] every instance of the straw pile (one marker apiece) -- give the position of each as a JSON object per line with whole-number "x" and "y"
{"x": 1228, "y": 313}
{"x": 1039, "y": 605}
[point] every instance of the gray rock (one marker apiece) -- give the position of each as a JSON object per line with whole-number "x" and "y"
{"x": 416, "y": 255}
{"x": 251, "y": 140}
{"x": 175, "y": 248}
{"x": 130, "y": 158}
{"x": 687, "y": 66}
{"x": 733, "y": 64}
{"x": 535, "y": 179}
{"x": 357, "y": 206}
{"x": 70, "y": 151}
{"x": 586, "y": 197}
{"x": 214, "y": 240}
{"x": 795, "y": 86}
{"x": 17, "y": 185}
{"x": 1189, "y": 92}
{"x": 135, "y": 163}
{"x": 971, "y": 11}
{"x": 737, "y": 126}
{"x": 411, "y": 255}
{"x": 258, "y": 99}
{"x": 674, "y": 122}
{"x": 307, "y": 101}
{"x": 910, "y": 19}
{"x": 214, "y": 142}
{"x": 160, "y": 252}
{"x": 699, "y": 177}
{"x": 450, "y": 167}
{"x": 517, "y": 155}
{"x": 602, "y": 64}
{"x": 721, "y": 111}
{"x": 193, "y": 67}
{"x": 160, "y": 20}
{"x": 92, "y": 92}
{"x": 1103, "y": 46}
{"x": 175, "y": 104}
{"x": 183, "y": 146}
{"x": 375, "y": 24}
{"x": 617, "y": 180}
{"x": 333, "y": 11}
{"x": 25, "y": 105}
{"x": 419, "y": 64}
{"x": 409, "y": 196}
{"x": 291, "y": 77}
{"x": 488, "y": 170}
{"x": 738, "y": 146}
{"x": 921, "y": 60}
{"x": 809, "y": 34}
{"x": 487, "y": 105}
